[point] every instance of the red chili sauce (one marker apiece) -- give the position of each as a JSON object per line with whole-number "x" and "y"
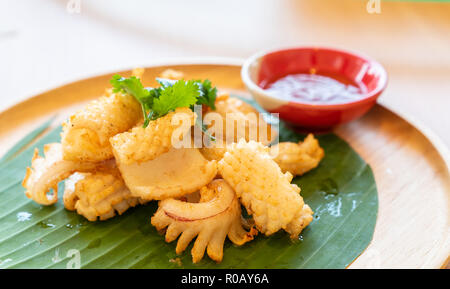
{"x": 315, "y": 89}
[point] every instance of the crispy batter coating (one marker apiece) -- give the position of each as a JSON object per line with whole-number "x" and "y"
{"x": 86, "y": 134}
{"x": 138, "y": 72}
{"x": 248, "y": 123}
{"x": 46, "y": 172}
{"x": 265, "y": 191}
{"x": 298, "y": 158}
{"x": 213, "y": 152}
{"x": 217, "y": 215}
{"x": 172, "y": 74}
{"x": 98, "y": 195}
{"x": 300, "y": 221}
{"x": 173, "y": 174}
{"x": 144, "y": 144}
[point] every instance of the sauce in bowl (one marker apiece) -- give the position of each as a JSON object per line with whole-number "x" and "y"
{"x": 315, "y": 89}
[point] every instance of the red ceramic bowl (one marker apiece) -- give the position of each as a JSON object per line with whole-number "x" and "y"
{"x": 266, "y": 67}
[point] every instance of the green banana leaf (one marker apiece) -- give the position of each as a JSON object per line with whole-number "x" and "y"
{"x": 341, "y": 191}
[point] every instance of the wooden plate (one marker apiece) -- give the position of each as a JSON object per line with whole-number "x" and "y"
{"x": 413, "y": 180}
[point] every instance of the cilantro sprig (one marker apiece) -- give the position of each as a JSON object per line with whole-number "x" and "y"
{"x": 208, "y": 93}
{"x": 157, "y": 102}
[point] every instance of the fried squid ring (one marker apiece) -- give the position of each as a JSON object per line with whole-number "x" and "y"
{"x": 173, "y": 174}
{"x": 265, "y": 191}
{"x": 298, "y": 158}
{"x": 144, "y": 144}
{"x": 217, "y": 215}
{"x": 241, "y": 120}
{"x": 98, "y": 195}
{"x": 46, "y": 172}
{"x": 86, "y": 134}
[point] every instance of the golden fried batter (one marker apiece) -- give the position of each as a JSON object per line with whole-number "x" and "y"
{"x": 300, "y": 221}
{"x": 98, "y": 195}
{"x": 265, "y": 191}
{"x": 248, "y": 123}
{"x": 298, "y": 158}
{"x": 86, "y": 134}
{"x": 213, "y": 152}
{"x": 144, "y": 144}
{"x": 46, "y": 172}
{"x": 172, "y": 74}
{"x": 217, "y": 215}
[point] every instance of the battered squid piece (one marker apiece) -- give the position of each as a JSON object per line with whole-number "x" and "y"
{"x": 46, "y": 172}
{"x": 264, "y": 190}
{"x": 300, "y": 221}
{"x": 172, "y": 174}
{"x": 217, "y": 215}
{"x": 244, "y": 115}
{"x": 144, "y": 144}
{"x": 98, "y": 195}
{"x": 213, "y": 152}
{"x": 86, "y": 134}
{"x": 172, "y": 74}
{"x": 298, "y": 158}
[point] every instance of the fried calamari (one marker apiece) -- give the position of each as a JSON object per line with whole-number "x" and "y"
{"x": 298, "y": 158}
{"x": 46, "y": 172}
{"x": 216, "y": 216}
{"x": 134, "y": 145}
{"x": 265, "y": 191}
{"x": 238, "y": 120}
{"x": 86, "y": 134}
{"x": 213, "y": 152}
{"x": 173, "y": 174}
{"x": 144, "y": 144}
{"x": 98, "y": 195}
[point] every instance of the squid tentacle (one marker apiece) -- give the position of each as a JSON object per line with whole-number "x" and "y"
{"x": 216, "y": 216}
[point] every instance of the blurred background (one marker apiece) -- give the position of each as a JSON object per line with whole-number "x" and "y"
{"x": 45, "y": 43}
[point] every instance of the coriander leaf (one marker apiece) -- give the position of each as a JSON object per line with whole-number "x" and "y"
{"x": 180, "y": 94}
{"x": 165, "y": 82}
{"x": 132, "y": 86}
{"x": 208, "y": 93}
{"x": 157, "y": 102}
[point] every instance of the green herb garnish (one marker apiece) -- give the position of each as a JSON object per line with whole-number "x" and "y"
{"x": 157, "y": 102}
{"x": 208, "y": 93}
{"x": 180, "y": 94}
